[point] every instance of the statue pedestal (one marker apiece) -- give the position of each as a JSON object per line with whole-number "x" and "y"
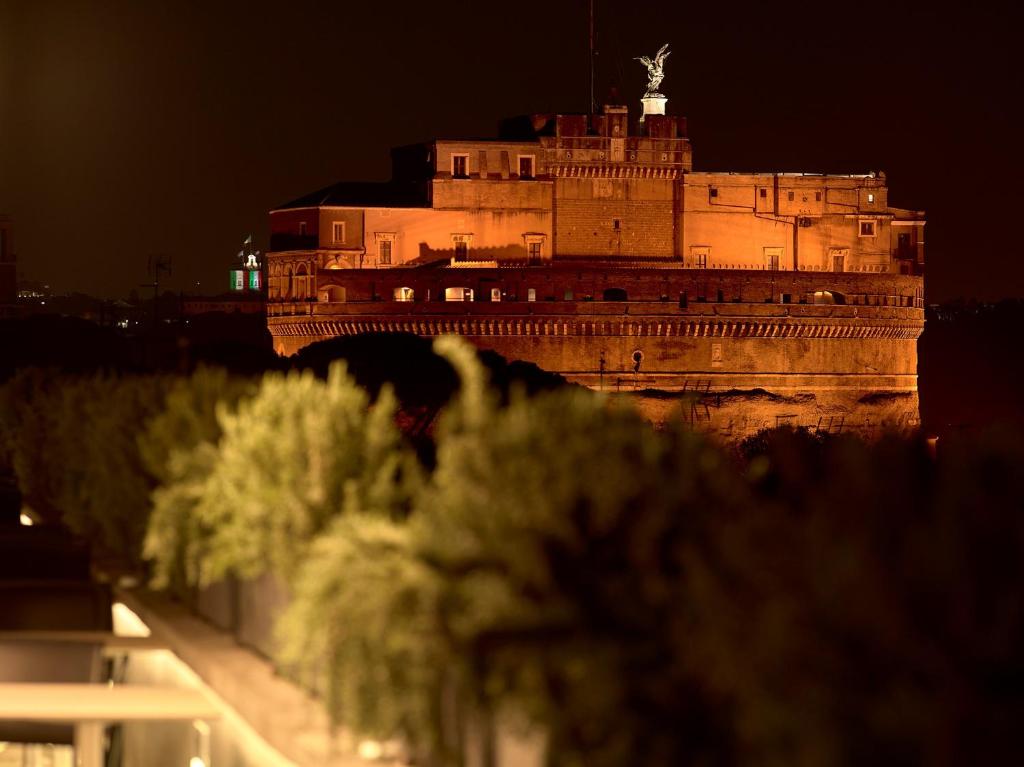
{"x": 653, "y": 105}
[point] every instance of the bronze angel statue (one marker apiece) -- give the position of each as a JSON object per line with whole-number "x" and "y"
{"x": 655, "y": 70}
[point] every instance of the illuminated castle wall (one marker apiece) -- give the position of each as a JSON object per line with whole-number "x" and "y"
{"x": 599, "y": 253}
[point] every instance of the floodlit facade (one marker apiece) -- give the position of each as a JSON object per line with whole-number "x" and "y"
{"x": 589, "y": 245}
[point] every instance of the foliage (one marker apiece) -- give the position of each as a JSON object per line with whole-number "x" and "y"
{"x": 296, "y": 454}
{"x": 73, "y": 449}
{"x": 362, "y": 622}
{"x": 869, "y": 607}
{"x": 179, "y": 447}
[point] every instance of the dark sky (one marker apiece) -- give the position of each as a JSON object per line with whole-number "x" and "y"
{"x": 130, "y": 127}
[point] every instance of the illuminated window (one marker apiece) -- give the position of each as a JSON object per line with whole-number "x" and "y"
{"x": 338, "y": 229}
{"x": 531, "y": 294}
{"x": 526, "y": 166}
{"x": 384, "y": 252}
{"x": 871, "y": 198}
{"x": 867, "y": 228}
{"x": 460, "y": 166}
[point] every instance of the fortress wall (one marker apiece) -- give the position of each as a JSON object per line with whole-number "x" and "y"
{"x": 561, "y": 278}
{"x": 587, "y": 209}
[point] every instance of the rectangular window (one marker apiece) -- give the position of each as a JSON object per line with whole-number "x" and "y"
{"x": 871, "y": 198}
{"x": 791, "y": 196}
{"x": 616, "y": 224}
{"x": 764, "y": 193}
{"x": 533, "y": 252}
{"x": 817, "y": 196}
{"x": 302, "y": 229}
{"x": 699, "y": 256}
{"x": 531, "y": 294}
{"x": 339, "y": 231}
{"x": 526, "y": 166}
{"x": 772, "y": 258}
{"x": 867, "y": 228}
{"x": 460, "y": 166}
{"x": 461, "y": 250}
{"x": 384, "y": 252}
{"x": 713, "y": 192}
{"x": 838, "y": 262}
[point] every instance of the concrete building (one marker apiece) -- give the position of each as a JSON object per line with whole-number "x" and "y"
{"x": 591, "y": 246}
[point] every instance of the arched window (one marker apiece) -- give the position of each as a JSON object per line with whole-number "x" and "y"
{"x": 828, "y": 297}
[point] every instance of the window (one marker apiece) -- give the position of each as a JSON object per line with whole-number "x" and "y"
{"x": 764, "y": 193}
{"x": 460, "y": 166}
{"x": 384, "y": 252}
{"x": 339, "y": 231}
{"x": 533, "y": 252}
{"x": 817, "y": 196}
{"x": 837, "y": 257}
{"x": 871, "y": 198}
{"x": 302, "y": 229}
{"x": 460, "y": 244}
{"x": 699, "y": 256}
{"x": 404, "y": 294}
{"x": 867, "y": 228}
{"x": 616, "y": 224}
{"x": 526, "y": 166}
{"x": 791, "y": 196}
{"x": 531, "y": 294}
{"x": 713, "y": 192}
{"x": 702, "y": 261}
{"x": 772, "y": 258}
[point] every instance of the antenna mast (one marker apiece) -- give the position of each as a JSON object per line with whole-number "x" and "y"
{"x": 593, "y": 103}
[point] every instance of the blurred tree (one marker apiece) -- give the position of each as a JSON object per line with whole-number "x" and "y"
{"x": 869, "y": 607}
{"x": 293, "y": 456}
{"x": 178, "y": 447}
{"x": 73, "y": 448}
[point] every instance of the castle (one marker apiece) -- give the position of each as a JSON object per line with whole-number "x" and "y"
{"x": 588, "y": 245}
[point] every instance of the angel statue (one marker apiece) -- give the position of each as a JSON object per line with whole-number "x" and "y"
{"x": 655, "y": 70}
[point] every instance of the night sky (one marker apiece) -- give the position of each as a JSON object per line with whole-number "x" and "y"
{"x": 132, "y": 128}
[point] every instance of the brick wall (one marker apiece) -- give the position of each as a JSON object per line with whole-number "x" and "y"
{"x": 588, "y": 228}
